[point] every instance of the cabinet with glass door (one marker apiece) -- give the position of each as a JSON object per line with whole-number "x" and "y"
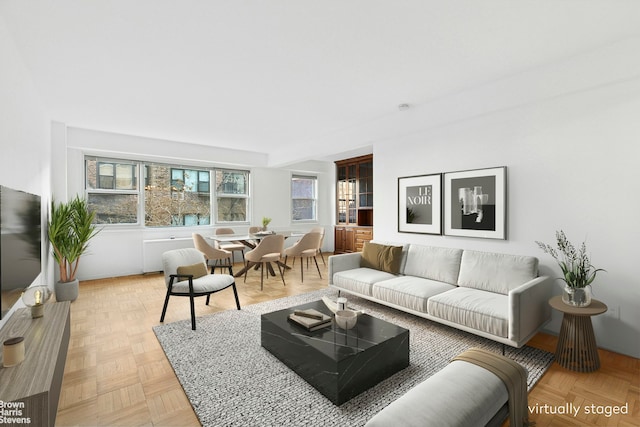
{"x": 354, "y": 203}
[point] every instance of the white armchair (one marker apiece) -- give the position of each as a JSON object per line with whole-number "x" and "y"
{"x": 186, "y": 275}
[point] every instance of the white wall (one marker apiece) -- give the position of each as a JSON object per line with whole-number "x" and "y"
{"x": 24, "y": 132}
{"x": 118, "y": 251}
{"x": 572, "y": 164}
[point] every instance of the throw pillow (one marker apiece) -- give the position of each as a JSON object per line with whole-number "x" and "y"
{"x": 381, "y": 257}
{"x": 197, "y": 270}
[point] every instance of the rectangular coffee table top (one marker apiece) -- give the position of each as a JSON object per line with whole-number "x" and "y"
{"x": 339, "y": 363}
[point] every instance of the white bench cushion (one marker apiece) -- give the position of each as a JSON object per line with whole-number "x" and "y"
{"x": 476, "y": 309}
{"x": 461, "y": 394}
{"x": 360, "y": 279}
{"x": 410, "y": 292}
{"x": 208, "y": 283}
{"x": 441, "y": 264}
{"x": 495, "y": 272}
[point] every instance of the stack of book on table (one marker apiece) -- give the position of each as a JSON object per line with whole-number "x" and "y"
{"x": 310, "y": 319}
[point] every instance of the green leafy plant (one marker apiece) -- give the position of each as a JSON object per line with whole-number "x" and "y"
{"x": 70, "y": 229}
{"x": 265, "y": 221}
{"x": 576, "y": 266}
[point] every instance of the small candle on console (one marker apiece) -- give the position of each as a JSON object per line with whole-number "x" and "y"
{"x": 13, "y": 352}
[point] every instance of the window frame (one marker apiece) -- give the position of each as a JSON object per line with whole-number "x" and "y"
{"x": 246, "y": 195}
{"x": 136, "y": 191}
{"x": 141, "y": 182}
{"x": 295, "y": 176}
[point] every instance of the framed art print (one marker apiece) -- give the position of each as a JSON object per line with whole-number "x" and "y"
{"x": 420, "y": 204}
{"x": 475, "y": 203}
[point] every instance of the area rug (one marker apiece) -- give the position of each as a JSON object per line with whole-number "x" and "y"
{"x": 231, "y": 380}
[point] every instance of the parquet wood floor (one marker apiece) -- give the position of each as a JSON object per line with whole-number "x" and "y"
{"x": 117, "y": 374}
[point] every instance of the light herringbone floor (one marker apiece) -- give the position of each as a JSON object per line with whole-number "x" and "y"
{"x": 117, "y": 374}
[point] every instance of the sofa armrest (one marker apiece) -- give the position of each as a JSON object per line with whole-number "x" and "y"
{"x": 343, "y": 262}
{"x": 529, "y": 308}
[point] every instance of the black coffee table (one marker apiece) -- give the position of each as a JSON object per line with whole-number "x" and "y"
{"x": 339, "y": 364}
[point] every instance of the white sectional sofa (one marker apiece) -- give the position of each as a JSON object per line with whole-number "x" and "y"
{"x": 497, "y": 296}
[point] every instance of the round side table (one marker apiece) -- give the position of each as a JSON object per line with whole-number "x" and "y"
{"x": 576, "y": 349}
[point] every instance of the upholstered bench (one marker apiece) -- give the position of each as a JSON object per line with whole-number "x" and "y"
{"x": 461, "y": 394}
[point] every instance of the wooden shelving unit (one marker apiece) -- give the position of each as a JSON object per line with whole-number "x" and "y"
{"x": 354, "y": 203}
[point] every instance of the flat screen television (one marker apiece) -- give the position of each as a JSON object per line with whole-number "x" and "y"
{"x": 20, "y": 244}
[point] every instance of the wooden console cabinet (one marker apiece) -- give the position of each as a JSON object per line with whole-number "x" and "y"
{"x": 34, "y": 385}
{"x": 354, "y": 204}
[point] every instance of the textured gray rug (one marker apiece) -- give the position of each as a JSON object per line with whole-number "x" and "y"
{"x": 232, "y": 381}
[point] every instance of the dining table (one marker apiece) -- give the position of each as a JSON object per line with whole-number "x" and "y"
{"x": 251, "y": 240}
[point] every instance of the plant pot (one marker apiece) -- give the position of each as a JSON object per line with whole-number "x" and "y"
{"x": 66, "y": 291}
{"x": 577, "y": 297}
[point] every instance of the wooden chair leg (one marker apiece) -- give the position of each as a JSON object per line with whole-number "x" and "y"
{"x": 164, "y": 309}
{"x": 193, "y": 313}
{"x": 262, "y": 276}
{"x": 301, "y": 272}
{"x": 166, "y": 300}
{"x": 282, "y": 275}
{"x": 246, "y": 270}
{"x": 316, "y": 260}
{"x": 235, "y": 294}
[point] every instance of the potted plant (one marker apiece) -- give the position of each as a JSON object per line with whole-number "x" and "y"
{"x": 578, "y": 272}
{"x": 265, "y": 222}
{"x": 70, "y": 229}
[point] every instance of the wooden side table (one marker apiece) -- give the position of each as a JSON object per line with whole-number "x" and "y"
{"x": 576, "y": 349}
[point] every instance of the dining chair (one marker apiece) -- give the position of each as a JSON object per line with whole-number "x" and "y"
{"x": 268, "y": 250}
{"x": 231, "y": 246}
{"x": 253, "y": 230}
{"x": 305, "y": 248}
{"x": 186, "y": 275}
{"x": 321, "y": 231}
{"x": 215, "y": 257}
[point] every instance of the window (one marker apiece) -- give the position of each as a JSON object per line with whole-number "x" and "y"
{"x": 303, "y": 198}
{"x": 173, "y": 196}
{"x": 232, "y": 195}
{"x": 112, "y": 190}
{"x": 190, "y": 180}
{"x": 176, "y": 196}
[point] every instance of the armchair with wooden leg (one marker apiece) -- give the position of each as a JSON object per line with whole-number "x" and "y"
{"x": 268, "y": 250}
{"x": 186, "y": 275}
{"x": 215, "y": 256}
{"x": 305, "y": 248}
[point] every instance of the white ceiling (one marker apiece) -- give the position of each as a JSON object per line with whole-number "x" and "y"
{"x": 305, "y": 79}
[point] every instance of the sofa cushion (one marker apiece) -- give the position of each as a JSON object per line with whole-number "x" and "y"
{"x": 496, "y": 272}
{"x": 441, "y": 264}
{"x": 405, "y": 248}
{"x": 360, "y": 280}
{"x": 408, "y": 291}
{"x": 473, "y": 308}
{"x": 460, "y": 394}
{"x": 381, "y": 257}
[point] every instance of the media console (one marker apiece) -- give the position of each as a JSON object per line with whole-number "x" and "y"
{"x": 32, "y": 388}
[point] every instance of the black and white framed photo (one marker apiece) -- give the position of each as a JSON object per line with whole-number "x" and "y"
{"x": 420, "y": 204}
{"x": 475, "y": 203}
